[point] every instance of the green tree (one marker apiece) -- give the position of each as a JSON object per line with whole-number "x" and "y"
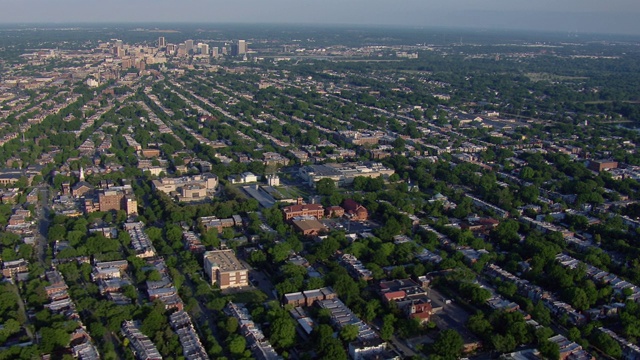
{"x": 280, "y": 252}
{"x": 283, "y": 331}
{"x": 549, "y": 350}
{"x": 231, "y": 325}
{"x": 503, "y": 343}
{"x": 479, "y": 324}
{"x": 448, "y": 344}
{"x": 333, "y": 350}
{"x": 387, "y": 329}
{"x": 53, "y": 339}
{"x": 237, "y": 344}
{"x": 606, "y": 343}
{"x": 326, "y": 187}
{"x": 349, "y": 333}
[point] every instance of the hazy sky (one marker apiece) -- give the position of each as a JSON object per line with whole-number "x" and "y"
{"x": 608, "y": 16}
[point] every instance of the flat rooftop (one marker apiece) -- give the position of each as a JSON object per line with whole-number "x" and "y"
{"x": 226, "y": 260}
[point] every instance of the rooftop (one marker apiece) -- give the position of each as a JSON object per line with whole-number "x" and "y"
{"x": 224, "y": 259}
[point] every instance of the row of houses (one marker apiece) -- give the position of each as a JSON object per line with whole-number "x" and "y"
{"x": 139, "y": 240}
{"x": 143, "y": 348}
{"x": 601, "y": 276}
{"x": 536, "y": 293}
{"x": 192, "y": 242}
{"x": 80, "y": 342}
{"x": 486, "y": 206}
{"x": 630, "y": 351}
{"x": 163, "y": 289}
{"x": 111, "y": 279}
{"x": 16, "y": 269}
{"x": 192, "y": 348}
{"x": 308, "y": 297}
{"x": 355, "y": 267}
{"x": 212, "y": 222}
{"x": 257, "y": 342}
{"x": 367, "y": 344}
{"x": 569, "y": 349}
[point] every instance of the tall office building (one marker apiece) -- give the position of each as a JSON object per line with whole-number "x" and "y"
{"x": 182, "y": 50}
{"x": 203, "y": 49}
{"x": 242, "y": 47}
{"x": 214, "y": 51}
{"x": 162, "y": 42}
{"x": 189, "y": 46}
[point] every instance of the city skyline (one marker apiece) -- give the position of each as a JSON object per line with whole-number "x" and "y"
{"x": 588, "y": 16}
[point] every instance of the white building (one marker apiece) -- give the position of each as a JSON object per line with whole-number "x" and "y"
{"x": 273, "y": 180}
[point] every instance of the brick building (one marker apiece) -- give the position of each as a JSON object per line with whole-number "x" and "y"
{"x": 224, "y": 269}
{"x": 354, "y": 210}
{"x": 300, "y": 209}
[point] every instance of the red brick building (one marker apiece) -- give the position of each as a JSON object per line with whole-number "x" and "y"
{"x": 599, "y": 165}
{"x": 334, "y": 211}
{"x": 354, "y": 210}
{"x": 301, "y": 209}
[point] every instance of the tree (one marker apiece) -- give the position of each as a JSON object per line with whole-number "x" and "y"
{"x": 606, "y": 343}
{"x": 371, "y": 309}
{"x": 53, "y": 339}
{"x": 154, "y": 321}
{"x": 349, "y": 333}
{"x": 479, "y": 324}
{"x": 280, "y": 252}
{"x": 333, "y": 350}
{"x": 387, "y": 329}
{"x": 326, "y": 187}
{"x": 578, "y": 298}
{"x": 237, "y": 344}
{"x": 448, "y": 345}
{"x": 541, "y": 314}
{"x": 399, "y": 144}
{"x": 503, "y": 343}
{"x": 549, "y": 350}
{"x": 231, "y": 325}
{"x": 283, "y": 331}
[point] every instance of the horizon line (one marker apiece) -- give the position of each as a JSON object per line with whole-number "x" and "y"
{"x": 317, "y": 24}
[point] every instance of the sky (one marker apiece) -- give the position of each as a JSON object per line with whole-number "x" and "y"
{"x": 583, "y": 16}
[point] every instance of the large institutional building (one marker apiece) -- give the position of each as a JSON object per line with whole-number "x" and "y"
{"x": 343, "y": 174}
{"x": 224, "y": 269}
{"x": 301, "y": 209}
{"x": 188, "y": 188}
{"x": 113, "y": 198}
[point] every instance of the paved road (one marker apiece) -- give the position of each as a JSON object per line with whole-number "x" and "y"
{"x": 402, "y": 347}
{"x": 43, "y": 211}
{"x": 260, "y": 280}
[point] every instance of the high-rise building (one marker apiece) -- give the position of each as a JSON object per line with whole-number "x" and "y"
{"x": 182, "y": 50}
{"x": 118, "y": 51}
{"x": 242, "y": 47}
{"x": 171, "y": 49}
{"x": 189, "y": 46}
{"x": 161, "y": 42}
{"x": 203, "y": 49}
